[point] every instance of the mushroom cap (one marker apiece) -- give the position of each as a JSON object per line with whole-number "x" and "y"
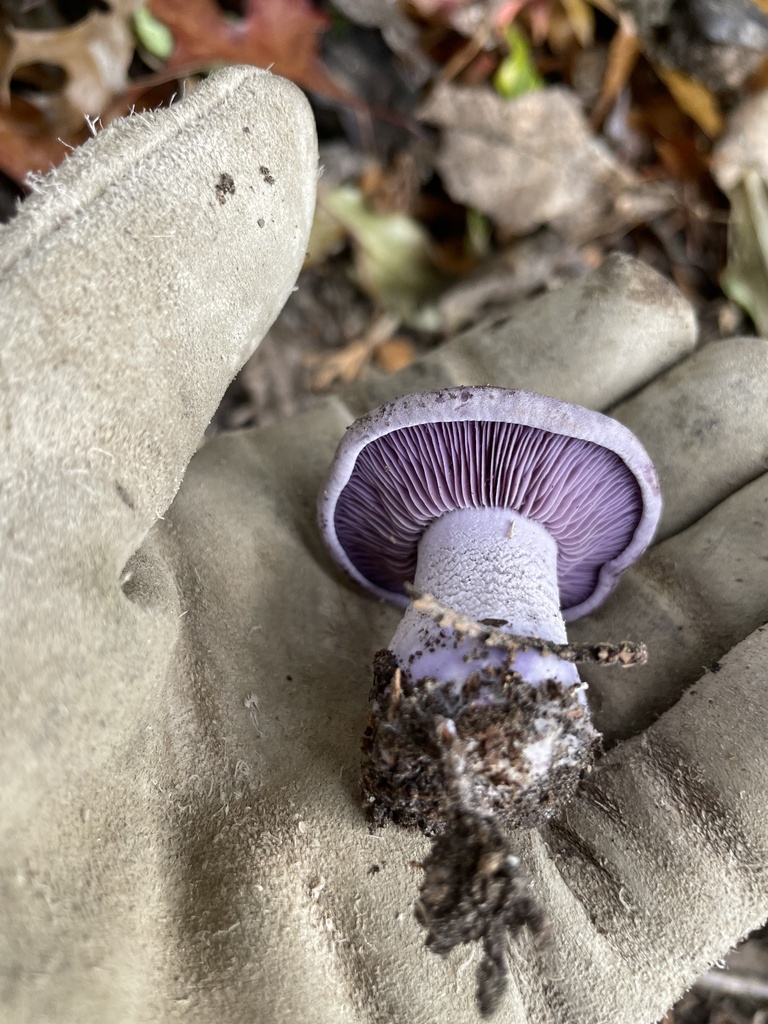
{"x": 583, "y": 476}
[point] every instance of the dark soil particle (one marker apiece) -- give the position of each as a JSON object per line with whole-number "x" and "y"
{"x": 225, "y": 187}
{"x": 494, "y": 718}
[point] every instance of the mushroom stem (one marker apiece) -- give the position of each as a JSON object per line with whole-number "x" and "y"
{"x": 498, "y": 568}
{"x": 518, "y": 712}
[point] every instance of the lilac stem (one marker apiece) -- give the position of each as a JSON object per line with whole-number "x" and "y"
{"x": 490, "y": 564}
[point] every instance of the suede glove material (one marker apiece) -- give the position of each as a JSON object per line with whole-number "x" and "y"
{"x": 185, "y": 674}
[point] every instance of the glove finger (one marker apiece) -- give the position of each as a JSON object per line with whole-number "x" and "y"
{"x": 700, "y": 590}
{"x": 660, "y": 865}
{"x": 704, "y": 424}
{"x": 691, "y": 598}
{"x": 593, "y": 342}
{"x": 132, "y": 287}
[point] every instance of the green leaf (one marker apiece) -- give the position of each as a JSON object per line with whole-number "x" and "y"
{"x": 479, "y": 233}
{"x": 153, "y": 35}
{"x": 392, "y": 253}
{"x": 745, "y": 278}
{"x": 517, "y": 73}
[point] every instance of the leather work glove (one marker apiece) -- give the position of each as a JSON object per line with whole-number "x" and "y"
{"x": 185, "y": 673}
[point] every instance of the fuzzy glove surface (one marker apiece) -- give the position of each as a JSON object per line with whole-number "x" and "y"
{"x": 185, "y": 674}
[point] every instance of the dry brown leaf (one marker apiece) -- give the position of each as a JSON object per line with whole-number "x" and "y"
{"x": 678, "y": 158}
{"x": 694, "y": 99}
{"x": 432, "y": 8}
{"x": 26, "y": 146}
{"x": 395, "y": 354}
{"x": 271, "y": 34}
{"x": 392, "y": 189}
{"x": 581, "y": 18}
{"x": 342, "y": 367}
{"x": 560, "y": 36}
{"x": 744, "y": 144}
{"x": 92, "y": 57}
{"x": 463, "y": 57}
{"x": 758, "y": 80}
{"x": 349, "y": 363}
{"x": 6, "y": 47}
{"x": 622, "y": 57}
{"x": 525, "y": 162}
{"x": 608, "y": 7}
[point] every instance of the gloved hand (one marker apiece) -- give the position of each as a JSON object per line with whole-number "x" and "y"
{"x": 185, "y": 679}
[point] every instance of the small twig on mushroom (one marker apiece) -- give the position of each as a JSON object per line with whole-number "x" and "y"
{"x": 624, "y": 654}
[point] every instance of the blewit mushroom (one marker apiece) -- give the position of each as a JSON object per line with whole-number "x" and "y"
{"x": 503, "y": 513}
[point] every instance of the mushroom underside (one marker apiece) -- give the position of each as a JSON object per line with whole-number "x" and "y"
{"x": 583, "y": 494}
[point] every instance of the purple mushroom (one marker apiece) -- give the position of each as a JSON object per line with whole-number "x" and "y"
{"x": 492, "y": 517}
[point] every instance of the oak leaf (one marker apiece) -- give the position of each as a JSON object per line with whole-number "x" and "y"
{"x": 91, "y": 57}
{"x": 270, "y": 34}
